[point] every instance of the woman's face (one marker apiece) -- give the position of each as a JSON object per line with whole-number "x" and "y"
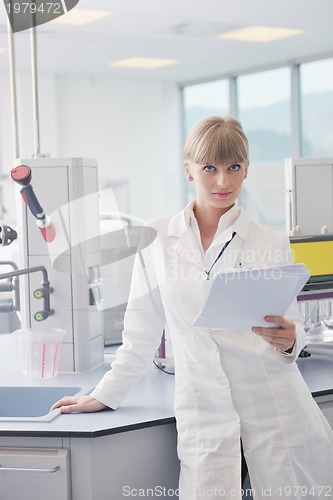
{"x": 217, "y": 186}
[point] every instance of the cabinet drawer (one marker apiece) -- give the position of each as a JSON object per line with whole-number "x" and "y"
{"x": 34, "y": 474}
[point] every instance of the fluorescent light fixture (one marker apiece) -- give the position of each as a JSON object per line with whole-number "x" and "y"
{"x": 143, "y": 62}
{"x": 260, "y": 34}
{"x": 81, "y": 17}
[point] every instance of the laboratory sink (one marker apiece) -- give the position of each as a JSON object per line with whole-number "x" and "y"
{"x": 32, "y": 403}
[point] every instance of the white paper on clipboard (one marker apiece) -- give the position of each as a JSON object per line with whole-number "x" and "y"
{"x": 239, "y": 299}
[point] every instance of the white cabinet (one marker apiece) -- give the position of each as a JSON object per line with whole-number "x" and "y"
{"x": 34, "y": 474}
{"x": 136, "y": 463}
{"x": 309, "y": 185}
{"x": 105, "y": 467}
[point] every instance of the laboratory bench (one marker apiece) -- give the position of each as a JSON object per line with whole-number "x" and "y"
{"x": 149, "y": 403}
{"x": 109, "y": 454}
{"x": 88, "y": 456}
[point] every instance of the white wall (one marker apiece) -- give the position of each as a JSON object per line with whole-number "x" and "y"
{"x": 133, "y": 128}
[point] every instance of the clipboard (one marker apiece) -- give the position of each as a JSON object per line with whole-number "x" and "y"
{"x": 239, "y": 299}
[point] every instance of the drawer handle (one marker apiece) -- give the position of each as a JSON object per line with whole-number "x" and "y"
{"x": 25, "y": 469}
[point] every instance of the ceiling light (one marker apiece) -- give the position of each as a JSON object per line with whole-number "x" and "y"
{"x": 259, "y": 34}
{"x": 143, "y": 62}
{"x": 81, "y": 17}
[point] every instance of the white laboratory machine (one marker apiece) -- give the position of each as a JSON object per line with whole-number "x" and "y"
{"x": 309, "y": 186}
{"x": 67, "y": 188}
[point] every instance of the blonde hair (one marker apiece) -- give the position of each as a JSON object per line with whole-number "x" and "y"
{"x": 217, "y": 140}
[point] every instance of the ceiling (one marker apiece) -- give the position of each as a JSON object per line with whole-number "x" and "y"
{"x": 177, "y": 29}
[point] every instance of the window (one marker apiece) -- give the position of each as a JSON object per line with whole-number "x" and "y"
{"x": 263, "y": 194}
{"x": 316, "y": 81}
{"x": 205, "y": 99}
{"x": 264, "y": 111}
{"x": 202, "y": 100}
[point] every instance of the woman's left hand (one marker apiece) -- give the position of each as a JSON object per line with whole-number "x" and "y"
{"x": 282, "y": 337}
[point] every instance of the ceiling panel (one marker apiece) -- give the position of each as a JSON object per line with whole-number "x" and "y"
{"x": 184, "y": 30}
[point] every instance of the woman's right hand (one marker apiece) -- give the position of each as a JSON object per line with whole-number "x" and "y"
{"x": 82, "y": 404}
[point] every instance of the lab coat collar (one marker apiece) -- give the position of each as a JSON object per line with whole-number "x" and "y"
{"x": 185, "y": 241}
{"x": 242, "y": 224}
{"x": 179, "y": 224}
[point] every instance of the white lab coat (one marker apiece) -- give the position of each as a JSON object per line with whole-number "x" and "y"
{"x": 229, "y": 384}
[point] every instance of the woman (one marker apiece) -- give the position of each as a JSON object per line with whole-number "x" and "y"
{"x": 232, "y": 387}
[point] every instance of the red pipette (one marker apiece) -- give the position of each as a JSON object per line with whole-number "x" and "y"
{"x": 22, "y": 175}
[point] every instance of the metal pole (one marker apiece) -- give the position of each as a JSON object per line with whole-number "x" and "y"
{"x": 12, "y": 74}
{"x": 233, "y": 97}
{"x": 296, "y": 112}
{"x": 33, "y": 40}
